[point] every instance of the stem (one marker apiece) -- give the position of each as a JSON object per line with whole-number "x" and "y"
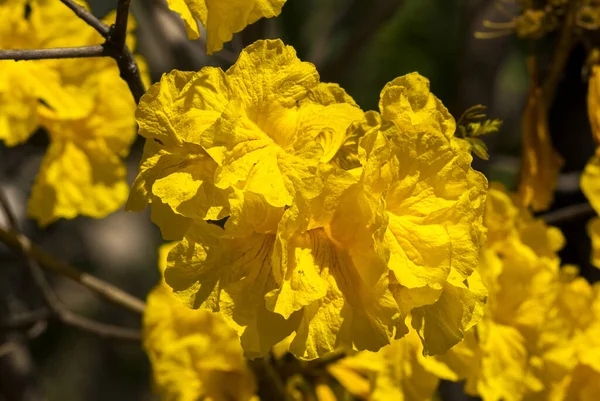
{"x": 114, "y": 45}
{"x": 568, "y": 213}
{"x": 88, "y": 17}
{"x": 119, "y": 34}
{"x": 561, "y": 55}
{"x": 55, "y": 307}
{"x": 48, "y": 262}
{"x": 56, "y": 53}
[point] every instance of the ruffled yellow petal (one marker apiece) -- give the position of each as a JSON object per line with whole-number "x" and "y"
{"x": 459, "y": 307}
{"x": 408, "y": 102}
{"x": 230, "y": 276}
{"x": 182, "y": 105}
{"x": 222, "y": 19}
{"x": 74, "y": 180}
{"x": 172, "y": 226}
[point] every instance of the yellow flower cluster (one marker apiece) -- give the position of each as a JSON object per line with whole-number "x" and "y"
{"x": 299, "y": 215}
{"x": 222, "y": 19}
{"x": 538, "y": 339}
{"x": 538, "y": 331}
{"x": 83, "y": 104}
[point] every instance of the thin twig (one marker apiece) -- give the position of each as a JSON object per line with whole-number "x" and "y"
{"x": 568, "y": 213}
{"x": 88, "y": 18}
{"x": 49, "y": 262}
{"x": 119, "y": 31}
{"x": 55, "y": 306}
{"x": 115, "y": 44}
{"x": 99, "y": 329}
{"x": 67, "y": 52}
{"x": 29, "y": 319}
{"x": 561, "y": 55}
{"x": 25, "y": 320}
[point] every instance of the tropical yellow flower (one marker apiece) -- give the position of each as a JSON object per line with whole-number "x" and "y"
{"x": 590, "y": 185}
{"x": 83, "y": 104}
{"x": 194, "y": 353}
{"x": 541, "y": 163}
{"x": 293, "y": 208}
{"x": 222, "y": 19}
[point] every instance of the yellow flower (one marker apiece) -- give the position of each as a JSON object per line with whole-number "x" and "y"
{"x": 590, "y": 185}
{"x": 194, "y": 353}
{"x": 541, "y": 163}
{"x": 397, "y": 372}
{"x": 222, "y": 19}
{"x": 293, "y": 208}
{"x": 83, "y": 104}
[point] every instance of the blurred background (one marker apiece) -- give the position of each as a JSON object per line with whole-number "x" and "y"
{"x": 359, "y": 44}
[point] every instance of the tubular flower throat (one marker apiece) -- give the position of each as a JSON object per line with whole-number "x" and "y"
{"x": 83, "y": 105}
{"x": 222, "y": 19}
{"x": 299, "y": 215}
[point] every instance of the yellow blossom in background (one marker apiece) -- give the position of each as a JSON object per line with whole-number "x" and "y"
{"x": 83, "y": 104}
{"x": 590, "y": 185}
{"x": 538, "y": 329}
{"x": 396, "y": 372}
{"x": 541, "y": 164}
{"x": 194, "y": 353}
{"x": 222, "y": 19}
{"x": 302, "y": 216}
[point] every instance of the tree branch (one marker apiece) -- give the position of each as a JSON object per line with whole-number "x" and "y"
{"x": 55, "y": 306}
{"x": 41, "y": 54}
{"x": 88, "y": 18}
{"x": 568, "y": 213}
{"x": 119, "y": 31}
{"x": 561, "y": 55}
{"x": 115, "y": 46}
{"x": 48, "y": 262}
{"x": 24, "y": 320}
